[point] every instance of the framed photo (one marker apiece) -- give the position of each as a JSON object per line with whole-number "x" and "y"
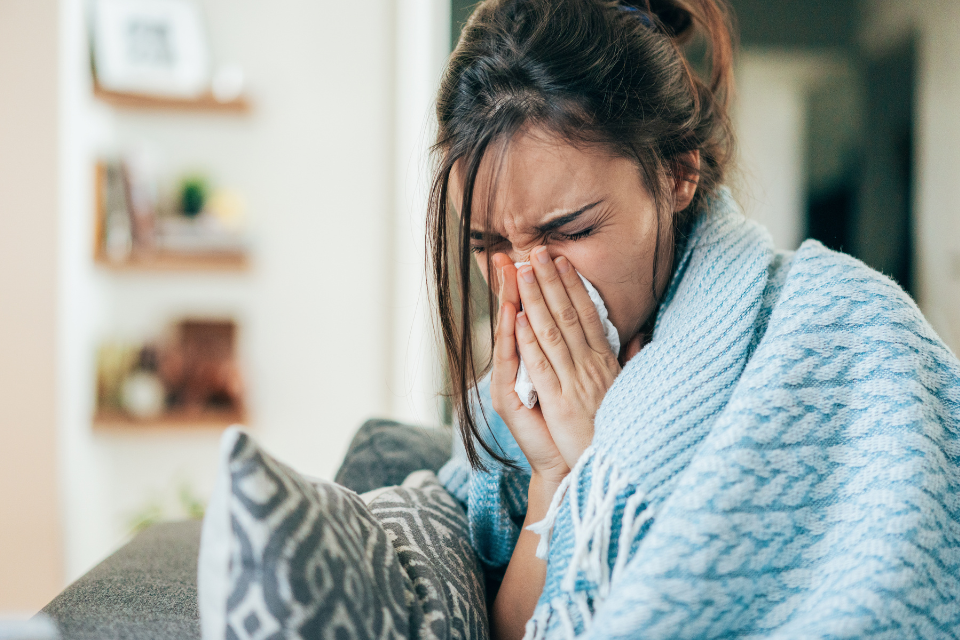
{"x": 156, "y": 47}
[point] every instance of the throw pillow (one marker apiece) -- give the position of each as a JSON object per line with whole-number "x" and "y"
{"x": 285, "y": 557}
{"x": 429, "y": 532}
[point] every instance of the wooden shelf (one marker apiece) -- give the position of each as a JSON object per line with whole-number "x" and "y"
{"x": 235, "y": 261}
{"x": 111, "y": 420}
{"x": 205, "y": 102}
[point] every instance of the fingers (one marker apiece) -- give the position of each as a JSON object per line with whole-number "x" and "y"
{"x": 507, "y": 280}
{"x": 506, "y": 362}
{"x": 590, "y": 322}
{"x": 497, "y": 262}
{"x": 543, "y": 326}
{"x": 541, "y": 370}
{"x": 558, "y": 303}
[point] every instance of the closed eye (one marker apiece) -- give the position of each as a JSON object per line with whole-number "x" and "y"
{"x": 573, "y": 237}
{"x": 478, "y": 246}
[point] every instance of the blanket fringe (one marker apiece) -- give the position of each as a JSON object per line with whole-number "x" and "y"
{"x": 536, "y": 628}
{"x": 633, "y": 521}
{"x": 592, "y": 530}
{"x": 544, "y": 528}
{"x": 538, "y": 625}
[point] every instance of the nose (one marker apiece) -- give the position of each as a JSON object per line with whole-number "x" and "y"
{"x": 523, "y": 254}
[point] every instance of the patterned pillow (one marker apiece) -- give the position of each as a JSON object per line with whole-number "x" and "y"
{"x": 286, "y": 557}
{"x": 428, "y": 529}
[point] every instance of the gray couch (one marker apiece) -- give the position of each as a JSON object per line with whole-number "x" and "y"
{"x": 148, "y": 589}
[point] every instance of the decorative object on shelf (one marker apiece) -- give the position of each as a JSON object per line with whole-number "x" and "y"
{"x": 196, "y": 228}
{"x": 193, "y": 195}
{"x": 115, "y": 360}
{"x": 199, "y": 369}
{"x": 116, "y": 241}
{"x": 143, "y": 395}
{"x": 206, "y": 220}
{"x": 191, "y": 377}
{"x": 140, "y": 182}
{"x": 152, "y": 47}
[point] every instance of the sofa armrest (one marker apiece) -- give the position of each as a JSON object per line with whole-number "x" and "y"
{"x": 146, "y": 589}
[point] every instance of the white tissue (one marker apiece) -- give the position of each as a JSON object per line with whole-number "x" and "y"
{"x": 524, "y": 386}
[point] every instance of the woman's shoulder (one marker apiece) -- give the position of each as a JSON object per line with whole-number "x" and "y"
{"x": 819, "y": 279}
{"x": 828, "y": 292}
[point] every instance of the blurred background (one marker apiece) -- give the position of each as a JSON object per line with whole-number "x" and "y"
{"x": 212, "y": 212}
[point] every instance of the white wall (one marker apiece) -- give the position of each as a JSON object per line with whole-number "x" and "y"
{"x": 423, "y": 41}
{"x": 318, "y": 163}
{"x": 773, "y": 89}
{"x": 771, "y": 94}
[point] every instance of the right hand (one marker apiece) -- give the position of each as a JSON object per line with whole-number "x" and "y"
{"x": 527, "y": 425}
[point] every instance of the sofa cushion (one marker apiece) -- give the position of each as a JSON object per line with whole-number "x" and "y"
{"x": 384, "y": 452}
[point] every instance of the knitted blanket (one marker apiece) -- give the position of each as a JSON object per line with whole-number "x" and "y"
{"x": 782, "y": 460}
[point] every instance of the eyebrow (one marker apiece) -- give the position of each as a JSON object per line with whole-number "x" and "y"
{"x": 550, "y": 225}
{"x": 564, "y": 218}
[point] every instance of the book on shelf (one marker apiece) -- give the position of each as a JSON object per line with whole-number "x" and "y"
{"x": 134, "y": 225}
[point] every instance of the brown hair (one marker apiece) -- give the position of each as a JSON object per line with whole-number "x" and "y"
{"x": 590, "y": 72}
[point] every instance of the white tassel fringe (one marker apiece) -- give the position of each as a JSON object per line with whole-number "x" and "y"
{"x": 545, "y": 527}
{"x": 591, "y": 547}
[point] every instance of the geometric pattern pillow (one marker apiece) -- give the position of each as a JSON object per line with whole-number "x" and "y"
{"x": 429, "y": 532}
{"x": 282, "y": 556}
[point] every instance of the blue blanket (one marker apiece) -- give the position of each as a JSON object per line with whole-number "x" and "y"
{"x": 782, "y": 460}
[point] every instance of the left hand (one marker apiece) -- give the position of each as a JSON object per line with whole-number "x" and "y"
{"x": 561, "y": 339}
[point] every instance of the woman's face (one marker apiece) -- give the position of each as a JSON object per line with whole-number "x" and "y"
{"x": 581, "y": 203}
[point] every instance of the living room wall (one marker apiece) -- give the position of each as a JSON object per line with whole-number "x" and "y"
{"x": 331, "y": 319}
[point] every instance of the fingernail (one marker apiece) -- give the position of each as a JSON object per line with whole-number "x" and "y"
{"x": 522, "y": 319}
{"x": 527, "y": 274}
{"x": 542, "y": 255}
{"x": 563, "y": 265}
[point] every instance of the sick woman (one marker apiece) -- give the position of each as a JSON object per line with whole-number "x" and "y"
{"x": 774, "y": 448}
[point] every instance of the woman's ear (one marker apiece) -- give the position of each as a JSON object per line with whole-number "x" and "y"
{"x": 686, "y": 178}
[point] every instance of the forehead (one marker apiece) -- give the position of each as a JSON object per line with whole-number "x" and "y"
{"x": 523, "y": 182}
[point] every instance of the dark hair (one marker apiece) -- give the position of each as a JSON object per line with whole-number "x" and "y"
{"x": 590, "y": 72}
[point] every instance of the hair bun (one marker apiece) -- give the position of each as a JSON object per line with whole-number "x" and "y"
{"x": 674, "y": 15}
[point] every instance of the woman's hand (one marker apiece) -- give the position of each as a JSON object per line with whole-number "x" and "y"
{"x": 528, "y": 426}
{"x": 561, "y": 339}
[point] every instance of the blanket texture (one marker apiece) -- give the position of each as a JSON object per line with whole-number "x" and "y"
{"x": 781, "y": 461}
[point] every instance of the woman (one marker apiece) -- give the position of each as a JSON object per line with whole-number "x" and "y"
{"x": 774, "y": 449}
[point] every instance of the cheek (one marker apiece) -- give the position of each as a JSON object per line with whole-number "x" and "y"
{"x": 619, "y": 271}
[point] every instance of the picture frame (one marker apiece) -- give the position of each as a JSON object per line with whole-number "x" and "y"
{"x": 151, "y": 47}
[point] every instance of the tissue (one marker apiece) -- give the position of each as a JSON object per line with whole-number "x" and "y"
{"x": 524, "y": 386}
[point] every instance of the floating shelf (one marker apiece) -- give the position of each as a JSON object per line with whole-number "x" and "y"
{"x": 205, "y": 102}
{"x": 106, "y": 420}
{"x": 235, "y": 261}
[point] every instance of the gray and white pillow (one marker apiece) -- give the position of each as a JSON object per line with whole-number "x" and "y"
{"x": 282, "y": 556}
